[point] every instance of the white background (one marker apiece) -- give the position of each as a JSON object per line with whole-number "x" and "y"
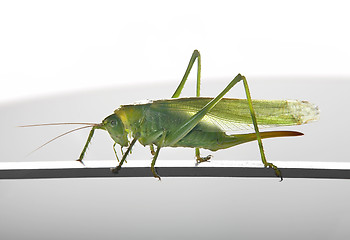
{"x": 60, "y": 46}
{"x": 79, "y": 60}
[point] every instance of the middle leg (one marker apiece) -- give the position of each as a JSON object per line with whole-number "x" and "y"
{"x": 195, "y": 55}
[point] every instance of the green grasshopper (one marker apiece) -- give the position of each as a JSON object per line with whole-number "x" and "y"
{"x": 199, "y": 122}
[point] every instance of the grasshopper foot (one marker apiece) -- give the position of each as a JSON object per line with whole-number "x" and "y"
{"x": 275, "y": 168}
{"x": 115, "y": 169}
{"x": 203, "y": 159}
{"x": 155, "y": 174}
{"x": 81, "y": 161}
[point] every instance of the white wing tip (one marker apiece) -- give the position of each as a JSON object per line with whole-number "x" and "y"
{"x": 304, "y": 111}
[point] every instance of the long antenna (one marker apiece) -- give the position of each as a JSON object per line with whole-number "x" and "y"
{"x": 55, "y": 124}
{"x": 63, "y": 134}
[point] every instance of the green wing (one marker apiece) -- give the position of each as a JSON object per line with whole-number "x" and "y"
{"x": 233, "y": 114}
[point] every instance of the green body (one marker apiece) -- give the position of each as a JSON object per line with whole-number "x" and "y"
{"x": 148, "y": 121}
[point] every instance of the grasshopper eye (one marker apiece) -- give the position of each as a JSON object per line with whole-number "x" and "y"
{"x": 113, "y": 123}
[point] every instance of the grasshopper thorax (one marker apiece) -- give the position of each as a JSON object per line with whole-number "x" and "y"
{"x": 116, "y": 129}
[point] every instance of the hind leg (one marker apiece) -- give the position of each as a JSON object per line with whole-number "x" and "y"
{"x": 177, "y": 135}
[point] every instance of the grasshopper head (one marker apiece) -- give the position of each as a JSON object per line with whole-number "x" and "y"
{"x": 116, "y": 129}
